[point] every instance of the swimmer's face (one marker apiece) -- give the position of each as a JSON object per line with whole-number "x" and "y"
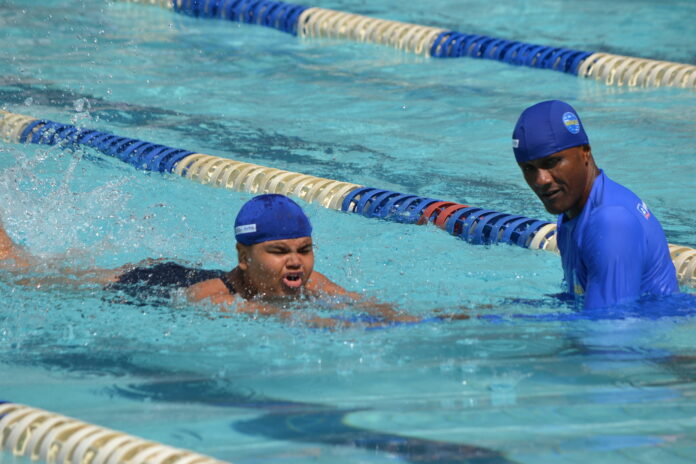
{"x": 278, "y": 267}
{"x": 563, "y": 180}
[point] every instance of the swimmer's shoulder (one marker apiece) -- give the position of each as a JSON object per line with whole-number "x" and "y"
{"x": 319, "y": 284}
{"x": 217, "y": 290}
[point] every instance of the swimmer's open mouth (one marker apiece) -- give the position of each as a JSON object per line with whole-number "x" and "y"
{"x": 293, "y": 280}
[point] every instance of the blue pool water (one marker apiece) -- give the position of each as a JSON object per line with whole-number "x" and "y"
{"x": 497, "y": 388}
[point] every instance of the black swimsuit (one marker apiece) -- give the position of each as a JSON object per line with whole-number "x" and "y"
{"x": 159, "y": 280}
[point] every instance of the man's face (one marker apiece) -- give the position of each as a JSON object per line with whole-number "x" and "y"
{"x": 278, "y": 267}
{"x": 562, "y": 181}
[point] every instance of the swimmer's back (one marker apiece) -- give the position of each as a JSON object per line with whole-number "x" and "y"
{"x": 160, "y": 279}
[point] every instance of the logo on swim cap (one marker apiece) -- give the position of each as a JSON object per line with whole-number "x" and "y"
{"x": 515, "y": 143}
{"x": 246, "y": 229}
{"x": 643, "y": 208}
{"x": 270, "y": 217}
{"x": 571, "y": 122}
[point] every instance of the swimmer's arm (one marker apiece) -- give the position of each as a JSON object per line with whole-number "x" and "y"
{"x": 74, "y": 276}
{"x": 216, "y": 292}
{"x": 214, "y": 289}
{"x": 319, "y": 284}
{"x": 11, "y": 254}
{"x": 68, "y": 277}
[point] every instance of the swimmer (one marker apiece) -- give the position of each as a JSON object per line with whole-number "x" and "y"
{"x": 613, "y": 248}
{"x": 275, "y": 266}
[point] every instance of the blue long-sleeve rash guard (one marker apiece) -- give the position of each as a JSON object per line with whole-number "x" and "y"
{"x": 615, "y": 250}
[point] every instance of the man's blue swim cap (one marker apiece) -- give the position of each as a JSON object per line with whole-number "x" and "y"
{"x": 270, "y": 217}
{"x": 547, "y": 128}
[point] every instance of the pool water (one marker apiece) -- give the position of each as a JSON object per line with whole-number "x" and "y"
{"x": 526, "y": 380}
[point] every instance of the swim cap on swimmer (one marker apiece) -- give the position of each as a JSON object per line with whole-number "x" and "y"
{"x": 270, "y": 217}
{"x": 547, "y": 128}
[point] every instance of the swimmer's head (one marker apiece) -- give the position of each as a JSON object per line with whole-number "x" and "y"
{"x": 547, "y": 128}
{"x": 270, "y": 217}
{"x": 274, "y": 247}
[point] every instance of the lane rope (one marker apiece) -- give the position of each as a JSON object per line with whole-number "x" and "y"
{"x": 313, "y": 23}
{"x": 42, "y": 435}
{"x": 470, "y": 223}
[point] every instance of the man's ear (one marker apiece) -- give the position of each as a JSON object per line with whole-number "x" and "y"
{"x": 586, "y": 153}
{"x": 243, "y": 256}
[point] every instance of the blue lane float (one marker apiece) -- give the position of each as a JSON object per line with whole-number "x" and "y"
{"x": 453, "y": 44}
{"x": 472, "y": 224}
{"x": 367, "y": 201}
{"x": 277, "y": 15}
{"x": 312, "y": 22}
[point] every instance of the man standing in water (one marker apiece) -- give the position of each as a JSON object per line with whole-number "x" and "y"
{"x": 613, "y": 249}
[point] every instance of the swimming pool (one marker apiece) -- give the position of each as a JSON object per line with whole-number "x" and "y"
{"x": 485, "y": 390}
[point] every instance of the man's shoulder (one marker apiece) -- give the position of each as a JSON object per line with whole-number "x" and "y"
{"x": 618, "y": 207}
{"x": 612, "y": 215}
{"x": 615, "y": 194}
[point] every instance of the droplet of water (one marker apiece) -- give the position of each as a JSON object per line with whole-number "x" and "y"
{"x": 81, "y": 104}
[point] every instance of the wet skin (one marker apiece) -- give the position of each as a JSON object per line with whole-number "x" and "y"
{"x": 277, "y": 268}
{"x": 562, "y": 181}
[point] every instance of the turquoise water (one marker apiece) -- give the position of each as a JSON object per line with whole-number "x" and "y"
{"x": 505, "y": 389}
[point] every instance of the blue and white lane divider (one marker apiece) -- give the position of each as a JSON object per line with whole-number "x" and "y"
{"x": 470, "y": 223}
{"x": 311, "y": 22}
{"x": 52, "y": 438}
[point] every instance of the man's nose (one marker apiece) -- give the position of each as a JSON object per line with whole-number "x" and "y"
{"x": 542, "y": 178}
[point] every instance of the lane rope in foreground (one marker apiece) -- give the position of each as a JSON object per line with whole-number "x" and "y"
{"x": 313, "y": 22}
{"x": 52, "y": 438}
{"x": 470, "y": 223}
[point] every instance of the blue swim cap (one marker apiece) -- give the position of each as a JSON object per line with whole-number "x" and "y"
{"x": 547, "y": 128}
{"x": 270, "y": 217}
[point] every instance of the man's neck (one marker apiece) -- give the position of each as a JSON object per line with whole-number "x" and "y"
{"x": 577, "y": 209}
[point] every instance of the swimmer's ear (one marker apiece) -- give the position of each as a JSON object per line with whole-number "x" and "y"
{"x": 242, "y": 256}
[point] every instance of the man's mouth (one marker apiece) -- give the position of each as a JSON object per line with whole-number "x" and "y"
{"x": 293, "y": 279}
{"x": 550, "y": 195}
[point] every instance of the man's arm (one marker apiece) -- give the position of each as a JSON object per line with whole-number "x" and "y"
{"x": 613, "y": 251}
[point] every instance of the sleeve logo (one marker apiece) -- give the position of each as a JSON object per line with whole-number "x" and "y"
{"x": 643, "y": 208}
